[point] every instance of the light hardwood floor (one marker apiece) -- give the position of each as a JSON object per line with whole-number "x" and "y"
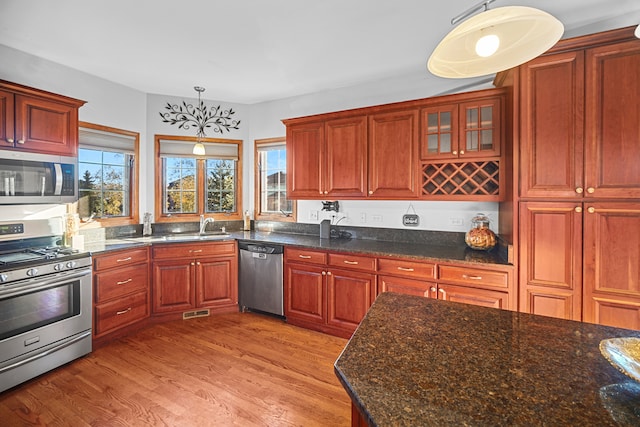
{"x": 240, "y": 369}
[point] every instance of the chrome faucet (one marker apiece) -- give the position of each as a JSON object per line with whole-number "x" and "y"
{"x": 203, "y": 223}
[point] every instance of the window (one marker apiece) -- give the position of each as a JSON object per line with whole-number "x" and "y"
{"x": 270, "y": 179}
{"x": 189, "y": 185}
{"x": 107, "y": 174}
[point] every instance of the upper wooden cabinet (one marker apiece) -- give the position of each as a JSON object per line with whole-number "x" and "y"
{"x": 579, "y": 123}
{"x": 468, "y": 129}
{"x": 393, "y": 164}
{"x": 38, "y": 121}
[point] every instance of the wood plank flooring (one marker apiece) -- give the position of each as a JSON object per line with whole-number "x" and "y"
{"x": 240, "y": 369}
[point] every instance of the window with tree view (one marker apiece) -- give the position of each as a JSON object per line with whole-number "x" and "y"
{"x": 271, "y": 173}
{"x": 106, "y": 173}
{"x": 196, "y": 185}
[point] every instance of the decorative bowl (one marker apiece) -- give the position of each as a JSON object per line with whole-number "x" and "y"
{"x": 624, "y": 354}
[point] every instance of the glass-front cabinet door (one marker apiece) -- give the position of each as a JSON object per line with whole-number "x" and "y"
{"x": 439, "y": 132}
{"x": 480, "y": 128}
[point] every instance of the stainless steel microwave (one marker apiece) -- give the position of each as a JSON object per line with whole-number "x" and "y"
{"x": 29, "y": 178}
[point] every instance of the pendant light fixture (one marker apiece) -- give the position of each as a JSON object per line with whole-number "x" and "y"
{"x": 494, "y": 40}
{"x": 198, "y": 148}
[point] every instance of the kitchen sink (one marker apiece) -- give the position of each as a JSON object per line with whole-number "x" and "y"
{"x": 217, "y": 235}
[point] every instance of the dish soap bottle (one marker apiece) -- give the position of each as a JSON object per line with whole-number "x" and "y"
{"x": 480, "y": 236}
{"x": 247, "y": 221}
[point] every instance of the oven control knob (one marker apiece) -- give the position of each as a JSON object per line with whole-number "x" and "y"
{"x": 58, "y": 267}
{"x": 32, "y": 272}
{"x": 71, "y": 264}
{"x": 3, "y": 278}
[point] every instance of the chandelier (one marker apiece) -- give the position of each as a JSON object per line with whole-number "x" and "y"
{"x": 186, "y": 115}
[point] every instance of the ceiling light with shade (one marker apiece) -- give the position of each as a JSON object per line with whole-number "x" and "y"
{"x": 494, "y": 40}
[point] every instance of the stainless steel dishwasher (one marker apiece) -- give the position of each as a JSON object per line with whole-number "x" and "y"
{"x": 260, "y": 286}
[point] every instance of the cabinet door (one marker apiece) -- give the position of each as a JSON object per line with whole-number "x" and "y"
{"x": 551, "y": 126}
{"x": 612, "y": 264}
{"x": 120, "y": 312}
{"x": 346, "y": 157}
{"x": 6, "y": 119}
{"x": 474, "y": 296}
{"x": 551, "y": 259}
{"x": 304, "y": 292}
{"x": 393, "y": 139}
{"x": 305, "y": 152}
{"x": 402, "y": 285}
{"x": 45, "y": 126}
{"x": 439, "y": 138}
{"x": 349, "y": 296}
{"x": 173, "y": 286}
{"x": 612, "y": 123}
{"x": 480, "y": 128}
{"x": 216, "y": 282}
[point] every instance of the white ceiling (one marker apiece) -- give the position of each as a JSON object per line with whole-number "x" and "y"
{"x": 249, "y": 51}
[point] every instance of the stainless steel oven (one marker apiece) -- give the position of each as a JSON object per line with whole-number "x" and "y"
{"x": 45, "y": 306}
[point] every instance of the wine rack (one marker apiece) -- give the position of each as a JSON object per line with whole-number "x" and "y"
{"x": 471, "y": 178}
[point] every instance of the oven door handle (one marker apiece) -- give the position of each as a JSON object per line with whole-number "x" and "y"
{"x": 58, "y": 279}
{"x": 58, "y": 347}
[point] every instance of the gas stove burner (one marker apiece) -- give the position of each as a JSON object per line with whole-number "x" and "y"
{"x": 34, "y": 254}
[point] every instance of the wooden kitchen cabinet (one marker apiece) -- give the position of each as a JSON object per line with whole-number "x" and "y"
{"x": 321, "y": 296}
{"x": 305, "y": 143}
{"x": 406, "y": 276}
{"x": 468, "y": 129}
{"x": 190, "y": 276}
{"x": 551, "y": 259}
{"x": 121, "y": 290}
{"x": 393, "y": 148}
{"x": 488, "y": 286}
{"x": 38, "y": 121}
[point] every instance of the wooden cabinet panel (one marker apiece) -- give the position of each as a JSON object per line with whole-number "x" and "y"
{"x": 474, "y": 276}
{"x": 406, "y": 268}
{"x": 119, "y": 282}
{"x": 552, "y": 121}
{"x": 173, "y": 286}
{"x": 305, "y": 144}
{"x": 120, "y": 313}
{"x": 612, "y": 130}
{"x": 440, "y": 127}
{"x": 217, "y": 282}
{"x": 349, "y": 296}
{"x": 393, "y": 139}
{"x": 305, "y": 255}
{"x": 193, "y": 250}
{"x": 45, "y": 126}
{"x": 612, "y": 263}
{"x": 120, "y": 259}
{"x": 346, "y": 157}
{"x": 7, "y": 133}
{"x": 304, "y": 292}
{"x": 480, "y": 128}
{"x": 354, "y": 262}
{"x": 474, "y": 296}
{"x": 403, "y": 285}
{"x": 551, "y": 259}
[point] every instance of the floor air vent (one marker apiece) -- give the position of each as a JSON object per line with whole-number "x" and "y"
{"x": 196, "y": 313}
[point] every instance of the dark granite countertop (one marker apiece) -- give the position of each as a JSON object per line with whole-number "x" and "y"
{"x": 428, "y": 251}
{"x": 424, "y": 362}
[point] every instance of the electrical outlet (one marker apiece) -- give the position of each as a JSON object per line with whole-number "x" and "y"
{"x": 376, "y": 218}
{"x": 363, "y": 217}
{"x": 313, "y": 215}
{"x": 456, "y": 221}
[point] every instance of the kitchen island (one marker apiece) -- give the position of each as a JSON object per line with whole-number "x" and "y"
{"x": 420, "y": 361}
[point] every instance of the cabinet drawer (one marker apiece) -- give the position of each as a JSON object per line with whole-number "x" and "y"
{"x": 121, "y": 281}
{"x": 120, "y": 259}
{"x": 120, "y": 312}
{"x": 406, "y": 268}
{"x": 303, "y": 255}
{"x": 192, "y": 250}
{"x": 472, "y": 275}
{"x": 355, "y": 262}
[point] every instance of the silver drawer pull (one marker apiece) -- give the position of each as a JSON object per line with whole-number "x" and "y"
{"x": 405, "y": 269}
{"x": 195, "y": 251}
{"x": 124, "y": 259}
{"x": 350, "y": 262}
{"x": 118, "y": 313}
{"x": 304, "y": 256}
{"x": 466, "y": 276}
{"x": 124, "y": 281}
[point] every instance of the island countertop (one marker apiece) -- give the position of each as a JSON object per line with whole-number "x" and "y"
{"x": 419, "y": 361}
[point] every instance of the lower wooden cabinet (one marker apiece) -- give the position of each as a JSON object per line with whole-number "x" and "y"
{"x": 189, "y": 276}
{"x": 326, "y": 298}
{"x": 121, "y": 290}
